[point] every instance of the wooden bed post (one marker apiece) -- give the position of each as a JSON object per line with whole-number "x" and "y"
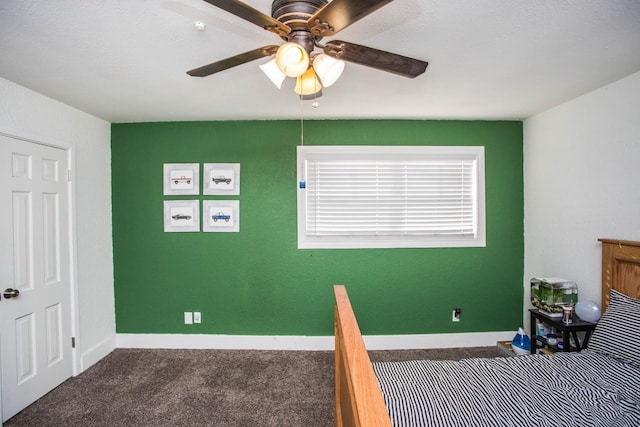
{"x": 359, "y": 401}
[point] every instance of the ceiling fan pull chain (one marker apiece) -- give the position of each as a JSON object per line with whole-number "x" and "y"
{"x": 301, "y": 122}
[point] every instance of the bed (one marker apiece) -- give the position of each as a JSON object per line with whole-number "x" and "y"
{"x": 599, "y": 386}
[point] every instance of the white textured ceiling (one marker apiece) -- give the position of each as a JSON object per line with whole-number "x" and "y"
{"x": 126, "y": 61}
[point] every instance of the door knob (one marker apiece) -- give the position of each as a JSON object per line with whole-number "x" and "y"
{"x": 11, "y": 293}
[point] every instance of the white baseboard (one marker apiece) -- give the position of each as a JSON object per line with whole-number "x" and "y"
{"x": 92, "y": 355}
{"x": 224, "y": 342}
{"x": 253, "y": 342}
{"x": 410, "y": 342}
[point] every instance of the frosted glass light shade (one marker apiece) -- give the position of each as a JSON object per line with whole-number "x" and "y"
{"x": 588, "y": 310}
{"x": 308, "y": 83}
{"x": 272, "y": 71}
{"x": 328, "y": 69}
{"x": 292, "y": 59}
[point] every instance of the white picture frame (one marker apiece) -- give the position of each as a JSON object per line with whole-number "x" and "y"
{"x": 181, "y": 179}
{"x": 221, "y": 179}
{"x": 221, "y": 216}
{"x": 181, "y": 216}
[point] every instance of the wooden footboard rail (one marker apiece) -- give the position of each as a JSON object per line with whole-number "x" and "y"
{"x": 359, "y": 401}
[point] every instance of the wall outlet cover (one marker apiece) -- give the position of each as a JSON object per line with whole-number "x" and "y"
{"x": 188, "y": 318}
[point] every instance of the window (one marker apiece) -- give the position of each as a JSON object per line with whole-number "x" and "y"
{"x": 390, "y": 197}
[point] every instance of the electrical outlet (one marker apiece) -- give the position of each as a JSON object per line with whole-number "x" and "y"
{"x": 455, "y": 315}
{"x": 197, "y": 317}
{"x": 188, "y": 318}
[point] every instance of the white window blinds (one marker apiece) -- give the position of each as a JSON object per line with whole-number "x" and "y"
{"x": 390, "y": 197}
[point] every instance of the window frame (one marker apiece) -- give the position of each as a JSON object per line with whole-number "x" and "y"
{"x": 344, "y": 152}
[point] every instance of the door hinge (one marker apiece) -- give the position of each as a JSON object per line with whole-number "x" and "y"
{"x": 69, "y": 175}
{"x": 73, "y": 342}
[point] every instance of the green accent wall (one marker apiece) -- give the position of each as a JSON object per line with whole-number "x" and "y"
{"x": 256, "y": 282}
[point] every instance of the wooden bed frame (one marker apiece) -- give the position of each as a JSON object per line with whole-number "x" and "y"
{"x": 359, "y": 401}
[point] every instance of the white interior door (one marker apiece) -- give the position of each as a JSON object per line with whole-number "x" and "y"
{"x": 35, "y": 312}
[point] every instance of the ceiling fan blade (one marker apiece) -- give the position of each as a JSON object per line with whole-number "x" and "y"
{"x": 207, "y": 70}
{"x": 252, "y": 15}
{"x": 379, "y": 59}
{"x": 339, "y": 14}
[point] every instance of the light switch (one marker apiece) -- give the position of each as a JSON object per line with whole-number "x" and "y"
{"x": 197, "y": 317}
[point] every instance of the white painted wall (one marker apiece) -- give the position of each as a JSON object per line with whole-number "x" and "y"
{"x": 31, "y": 115}
{"x": 581, "y": 183}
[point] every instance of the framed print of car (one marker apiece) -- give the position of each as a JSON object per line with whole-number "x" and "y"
{"x": 181, "y": 178}
{"x": 221, "y": 216}
{"x": 181, "y": 216}
{"x": 221, "y": 179}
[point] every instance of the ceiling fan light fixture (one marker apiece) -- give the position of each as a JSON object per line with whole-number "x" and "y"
{"x": 292, "y": 59}
{"x": 271, "y": 70}
{"x": 308, "y": 83}
{"x": 328, "y": 69}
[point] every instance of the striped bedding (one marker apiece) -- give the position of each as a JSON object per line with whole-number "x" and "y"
{"x": 565, "y": 389}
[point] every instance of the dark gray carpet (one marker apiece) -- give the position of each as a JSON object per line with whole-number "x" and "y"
{"x": 143, "y": 387}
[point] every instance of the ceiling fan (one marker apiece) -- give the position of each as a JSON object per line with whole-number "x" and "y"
{"x": 302, "y": 24}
